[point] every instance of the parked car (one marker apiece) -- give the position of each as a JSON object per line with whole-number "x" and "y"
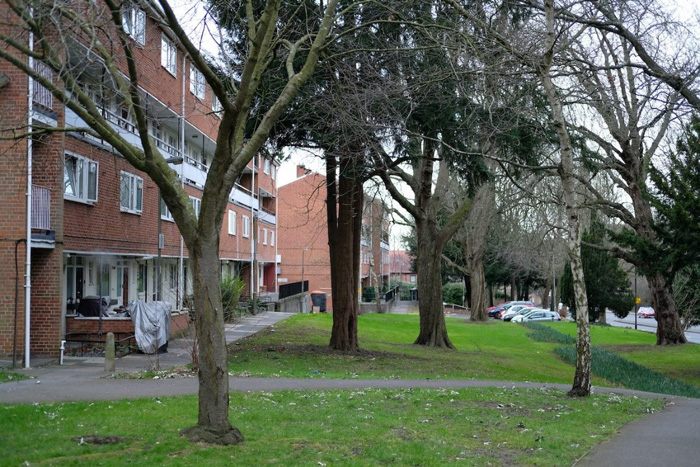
{"x": 646, "y": 312}
{"x": 507, "y": 306}
{"x": 537, "y": 314}
{"x": 514, "y": 311}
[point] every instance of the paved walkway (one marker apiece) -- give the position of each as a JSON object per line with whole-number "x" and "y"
{"x": 670, "y": 437}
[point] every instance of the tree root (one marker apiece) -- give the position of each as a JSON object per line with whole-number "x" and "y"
{"x": 198, "y": 434}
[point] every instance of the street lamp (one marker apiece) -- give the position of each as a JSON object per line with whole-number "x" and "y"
{"x": 303, "y": 251}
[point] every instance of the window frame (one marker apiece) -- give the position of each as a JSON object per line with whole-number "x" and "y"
{"x": 264, "y": 236}
{"x": 134, "y": 24}
{"x": 197, "y": 82}
{"x": 216, "y": 106}
{"x": 231, "y": 222}
{"x": 266, "y": 167}
{"x": 135, "y": 195}
{"x": 81, "y": 181}
{"x": 165, "y": 213}
{"x": 196, "y": 205}
{"x": 245, "y": 220}
{"x": 272, "y": 238}
{"x": 168, "y": 55}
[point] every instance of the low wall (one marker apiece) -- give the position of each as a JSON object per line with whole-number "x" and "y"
{"x": 179, "y": 323}
{"x": 371, "y": 307}
{"x": 295, "y": 304}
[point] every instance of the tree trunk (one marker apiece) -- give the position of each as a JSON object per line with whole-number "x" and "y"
{"x": 546, "y": 299}
{"x": 213, "y": 424}
{"x": 669, "y": 329}
{"x": 582, "y": 377}
{"x": 344, "y": 210}
{"x": 478, "y": 289}
{"x": 433, "y": 332}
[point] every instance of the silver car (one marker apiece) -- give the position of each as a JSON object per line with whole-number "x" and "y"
{"x": 537, "y": 314}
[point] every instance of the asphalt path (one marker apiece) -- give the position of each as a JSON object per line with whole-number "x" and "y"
{"x": 648, "y": 325}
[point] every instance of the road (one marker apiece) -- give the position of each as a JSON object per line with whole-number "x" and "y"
{"x": 649, "y": 325}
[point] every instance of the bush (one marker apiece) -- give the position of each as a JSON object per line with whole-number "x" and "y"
{"x": 231, "y": 288}
{"x": 453, "y": 293}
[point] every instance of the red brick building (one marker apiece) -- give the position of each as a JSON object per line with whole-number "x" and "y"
{"x": 86, "y": 223}
{"x": 401, "y": 268}
{"x": 303, "y": 246}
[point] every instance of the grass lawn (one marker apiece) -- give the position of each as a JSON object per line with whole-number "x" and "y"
{"x": 680, "y": 362}
{"x": 298, "y": 348}
{"x": 318, "y": 428}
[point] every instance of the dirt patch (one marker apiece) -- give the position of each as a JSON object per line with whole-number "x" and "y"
{"x": 97, "y": 439}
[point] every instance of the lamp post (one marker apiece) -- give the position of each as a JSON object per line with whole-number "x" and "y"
{"x": 303, "y": 252}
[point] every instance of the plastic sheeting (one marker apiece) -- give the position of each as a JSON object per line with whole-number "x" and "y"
{"x": 151, "y": 324}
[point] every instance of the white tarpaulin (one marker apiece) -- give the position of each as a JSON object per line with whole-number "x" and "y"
{"x": 151, "y": 324}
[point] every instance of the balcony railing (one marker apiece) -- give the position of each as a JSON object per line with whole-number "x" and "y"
{"x": 42, "y": 96}
{"x": 41, "y": 208}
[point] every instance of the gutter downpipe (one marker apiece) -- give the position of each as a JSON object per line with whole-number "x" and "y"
{"x": 252, "y": 233}
{"x": 181, "y": 272}
{"x": 28, "y": 261}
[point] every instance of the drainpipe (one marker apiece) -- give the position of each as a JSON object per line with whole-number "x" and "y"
{"x": 181, "y": 272}
{"x": 277, "y": 240}
{"x": 252, "y": 233}
{"x": 28, "y": 262}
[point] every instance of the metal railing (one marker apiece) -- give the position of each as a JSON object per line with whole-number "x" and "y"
{"x": 41, "y": 208}
{"x": 41, "y": 95}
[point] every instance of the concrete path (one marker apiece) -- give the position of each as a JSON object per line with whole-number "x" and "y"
{"x": 671, "y": 437}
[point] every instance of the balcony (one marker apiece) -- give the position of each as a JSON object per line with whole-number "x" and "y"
{"x": 42, "y": 235}
{"x": 267, "y": 216}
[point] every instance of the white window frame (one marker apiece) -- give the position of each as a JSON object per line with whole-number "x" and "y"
{"x": 264, "y": 236}
{"x": 272, "y": 238}
{"x": 266, "y": 167}
{"x": 134, "y": 24}
{"x": 85, "y": 186}
{"x": 132, "y": 200}
{"x": 231, "y": 222}
{"x": 196, "y": 205}
{"x": 245, "y": 220}
{"x": 165, "y": 213}
{"x": 272, "y": 172}
{"x": 168, "y": 54}
{"x": 196, "y": 82}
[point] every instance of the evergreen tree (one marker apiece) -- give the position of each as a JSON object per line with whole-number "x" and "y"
{"x": 607, "y": 285}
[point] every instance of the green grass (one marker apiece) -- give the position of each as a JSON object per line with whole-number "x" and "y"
{"x": 7, "y": 376}
{"x": 681, "y": 362}
{"x": 367, "y": 427}
{"x": 298, "y": 348}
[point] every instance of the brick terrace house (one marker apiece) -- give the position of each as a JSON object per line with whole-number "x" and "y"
{"x": 86, "y": 223}
{"x": 401, "y": 269}
{"x": 303, "y": 245}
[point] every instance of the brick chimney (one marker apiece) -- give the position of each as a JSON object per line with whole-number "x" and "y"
{"x": 301, "y": 171}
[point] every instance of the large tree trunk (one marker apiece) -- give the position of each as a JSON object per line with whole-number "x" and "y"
{"x": 344, "y": 210}
{"x": 213, "y": 424}
{"x": 433, "y": 331}
{"x": 669, "y": 329}
{"x": 478, "y": 289}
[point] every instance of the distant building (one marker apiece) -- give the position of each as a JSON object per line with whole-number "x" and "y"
{"x": 401, "y": 267}
{"x": 303, "y": 231}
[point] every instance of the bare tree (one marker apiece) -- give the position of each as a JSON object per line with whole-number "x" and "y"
{"x": 69, "y": 37}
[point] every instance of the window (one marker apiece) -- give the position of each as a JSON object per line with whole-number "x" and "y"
{"x": 246, "y": 226}
{"x": 272, "y": 238}
{"x": 264, "y": 236}
{"x": 216, "y": 105}
{"x": 272, "y": 172}
{"x": 267, "y": 167}
{"x": 165, "y": 213}
{"x": 196, "y": 82}
{"x": 172, "y": 275}
{"x": 232, "y": 222}
{"x": 168, "y": 55}
{"x": 196, "y": 205}
{"x": 134, "y": 23}
{"x": 131, "y": 193}
{"x": 79, "y": 178}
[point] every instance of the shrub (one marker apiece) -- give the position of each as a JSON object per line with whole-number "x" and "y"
{"x": 453, "y": 293}
{"x": 231, "y": 288}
